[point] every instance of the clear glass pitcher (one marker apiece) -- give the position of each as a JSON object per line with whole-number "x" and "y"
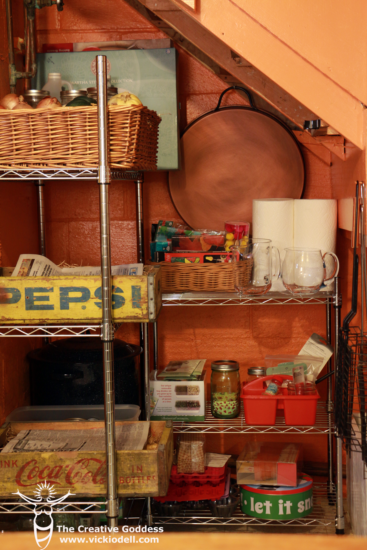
{"x": 303, "y": 269}
{"x": 252, "y": 263}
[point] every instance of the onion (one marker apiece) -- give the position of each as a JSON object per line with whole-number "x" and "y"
{"x": 22, "y": 105}
{"x": 10, "y": 101}
{"x": 49, "y": 102}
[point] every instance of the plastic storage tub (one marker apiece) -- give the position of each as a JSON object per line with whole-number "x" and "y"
{"x": 128, "y": 413}
{"x": 261, "y": 410}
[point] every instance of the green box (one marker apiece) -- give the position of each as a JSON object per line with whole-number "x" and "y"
{"x": 180, "y": 400}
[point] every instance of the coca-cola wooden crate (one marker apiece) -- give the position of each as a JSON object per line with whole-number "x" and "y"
{"x": 139, "y": 473}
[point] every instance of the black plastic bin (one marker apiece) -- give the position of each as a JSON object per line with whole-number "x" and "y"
{"x": 70, "y": 372}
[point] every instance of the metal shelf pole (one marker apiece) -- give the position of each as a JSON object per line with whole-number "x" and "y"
{"x": 41, "y": 217}
{"x": 329, "y": 405}
{"x": 140, "y": 238}
{"x": 107, "y": 335}
{"x": 339, "y": 519}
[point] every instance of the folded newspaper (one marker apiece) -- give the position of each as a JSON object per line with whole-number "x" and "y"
{"x": 34, "y": 265}
{"x": 129, "y": 437}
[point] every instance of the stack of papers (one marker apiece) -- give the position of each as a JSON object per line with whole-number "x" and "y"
{"x": 183, "y": 370}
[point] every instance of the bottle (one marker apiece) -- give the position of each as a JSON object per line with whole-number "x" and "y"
{"x": 273, "y": 388}
{"x": 54, "y": 85}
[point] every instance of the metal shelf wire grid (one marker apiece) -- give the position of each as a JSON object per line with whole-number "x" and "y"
{"x": 48, "y": 174}
{"x": 16, "y": 507}
{"x": 49, "y": 330}
{"x": 238, "y": 425}
{"x": 233, "y": 299}
{"x": 63, "y": 174}
{"x": 322, "y": 517}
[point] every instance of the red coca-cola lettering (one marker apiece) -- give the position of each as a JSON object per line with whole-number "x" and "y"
{"x": 44, "y": 473}
{"x": 79, "y": 470}
{"x": 23, "y": 470}
{"x": 33, "y": 473}
{"x": 55, "y": 473}
{"x": 101, "y": 471}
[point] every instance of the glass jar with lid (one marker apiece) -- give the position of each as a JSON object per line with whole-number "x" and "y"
{"x": 68, "y": 95}
{"x": 225, "y": 389}
{"x": 33, "y": 97}
{"x": 111, "y": 91}
{"x": 254, "y": 373}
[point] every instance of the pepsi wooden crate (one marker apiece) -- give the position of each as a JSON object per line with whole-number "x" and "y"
{"x": 78, "y": 299}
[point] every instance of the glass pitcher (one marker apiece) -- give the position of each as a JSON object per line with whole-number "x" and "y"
{"x": 303, "y": 269}
{"x": 252, "y": 263}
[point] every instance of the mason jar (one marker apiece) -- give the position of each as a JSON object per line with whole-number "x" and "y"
{"x": 225, "y": 389}
{"x": 254, "y": 373}
{"x": 33, "y": 97}
{"x": 68, "y": 95}
{"x": 111, "y": 91}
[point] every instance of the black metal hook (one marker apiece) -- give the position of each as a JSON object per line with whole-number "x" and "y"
{"x": 237, "y": 88}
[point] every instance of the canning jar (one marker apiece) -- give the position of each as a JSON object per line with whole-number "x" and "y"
{"x": 225, "y": 389}
{"x": 254, "y": 373}
{"x": 68, "y": 95}
{"x": 33, "y": 97}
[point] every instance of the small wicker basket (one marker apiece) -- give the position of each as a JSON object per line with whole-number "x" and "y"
{"x": 179, "y": 277}
{"x": 68, "y": 137}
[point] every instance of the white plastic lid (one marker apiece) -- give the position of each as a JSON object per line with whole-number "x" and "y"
{"x": 54, "y": 75}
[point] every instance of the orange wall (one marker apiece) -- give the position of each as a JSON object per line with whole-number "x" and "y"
{"x": 246, "y": 334}
{"x": 18, "y": 233}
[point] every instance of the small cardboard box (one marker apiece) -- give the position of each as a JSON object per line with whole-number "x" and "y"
{"x": 177, "y": 399}
{"x": 270, "y": 464}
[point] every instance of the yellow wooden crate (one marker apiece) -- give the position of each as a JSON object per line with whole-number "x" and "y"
{"x": 65, "y": 300}
{"x": 139, "y": 473}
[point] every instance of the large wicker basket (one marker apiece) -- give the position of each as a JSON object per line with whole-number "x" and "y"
{"x": 68, "y": 137}
{"x": 179, "y": 277}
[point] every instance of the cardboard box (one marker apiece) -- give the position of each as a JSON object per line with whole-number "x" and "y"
{"x": 270, "y": 464}
{"x": 178, "y": 399}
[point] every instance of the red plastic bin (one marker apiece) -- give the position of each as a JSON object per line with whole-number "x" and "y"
{"x": 211, "y": 475}
{"x": 207, "y": 486}
{"x": 261, "y": 410}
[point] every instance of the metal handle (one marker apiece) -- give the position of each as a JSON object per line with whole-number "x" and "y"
{"x": 236, "y": 88}
{"x": 324, "y": 377}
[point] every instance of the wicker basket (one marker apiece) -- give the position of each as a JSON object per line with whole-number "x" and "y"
{"x": 179, "y": 277}
{"x": 68, "y": 137}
